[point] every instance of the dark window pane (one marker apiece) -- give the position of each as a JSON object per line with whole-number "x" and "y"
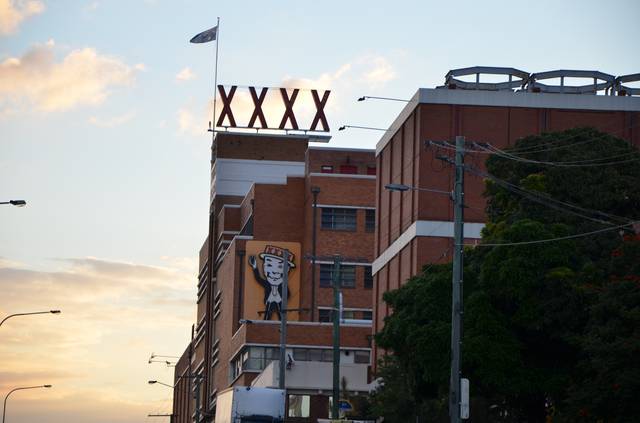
{"x": 315, "y": 355}
{"x": 300, "y": 354}
{"x": 326, "y": 273}
{"x": 371, "y": 170}
{"x": 370, "y": 221}
{"x": 368, "y": 277}
{"x": 367, "y": 315}
{"x": 348, "y": 276}
{"x": 361, "y": 357}
{"x": 325, "y": 315}
{"x": 338, "y": 218}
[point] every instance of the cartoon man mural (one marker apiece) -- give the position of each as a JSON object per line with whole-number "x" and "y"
{"x": 273, "y": 270}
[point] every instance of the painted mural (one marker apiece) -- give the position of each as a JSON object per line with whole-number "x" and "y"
{"x": 263, "y": 290}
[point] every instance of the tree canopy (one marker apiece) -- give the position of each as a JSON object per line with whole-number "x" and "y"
{"x": 550, "y": 328}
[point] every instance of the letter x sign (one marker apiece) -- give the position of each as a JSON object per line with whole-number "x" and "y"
{"x": 258, "y": 114}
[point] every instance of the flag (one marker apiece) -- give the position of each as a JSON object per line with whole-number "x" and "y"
{"x": 206, "y": 36}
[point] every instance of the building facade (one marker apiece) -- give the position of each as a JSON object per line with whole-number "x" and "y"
{"x": 270, "y": 194}
{"x": 415, "y": 228}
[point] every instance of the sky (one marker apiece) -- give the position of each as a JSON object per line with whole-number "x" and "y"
{"x": 103, "y": 115}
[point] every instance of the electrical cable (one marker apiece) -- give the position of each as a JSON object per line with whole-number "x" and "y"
{"x": 539, "y": 241}
{"x": 544, "y": 199}
{"x": 577, "y": 163}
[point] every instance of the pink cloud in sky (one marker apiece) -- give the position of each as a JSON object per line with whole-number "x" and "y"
{"x": 13, "y": 12}
{"x": 95, "y": 353}
{"x": 82, "y": 77}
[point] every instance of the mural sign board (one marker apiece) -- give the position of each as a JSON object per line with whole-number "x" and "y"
{"x": 264, "y": 276}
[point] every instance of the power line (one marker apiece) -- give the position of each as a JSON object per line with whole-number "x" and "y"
{"x": 578, "y": 163}
{"x": 547, "y": 200}
{"x": 551, "y": 239}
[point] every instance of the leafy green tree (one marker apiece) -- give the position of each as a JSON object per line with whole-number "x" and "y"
{"x": 551, "y": 328}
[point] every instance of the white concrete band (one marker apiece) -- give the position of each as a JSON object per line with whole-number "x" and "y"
{"x": 426, "y": 228}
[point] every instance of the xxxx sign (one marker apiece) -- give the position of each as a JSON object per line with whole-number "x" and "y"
{"x": 273, "y": 108}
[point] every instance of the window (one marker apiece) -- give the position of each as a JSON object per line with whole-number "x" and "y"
{"x": 347, "y": 276}
{"x": 312, "y": 354}
{"x": 368, "y": 277}
{"x": 253, "y": 358}
{"x": 339, "y": 219}
{"x": 325, "y": 315}
{"x": 367, "y": 315}
{"x": 370, "y": 220}
{"x": 371, "y": 170}
{"x": 361, "y": 357}
{"x": 350, "y": 314}
{"x": 349, "y": 169}
{"x": 299, "y": 405}
{"x": 326, "y": 169}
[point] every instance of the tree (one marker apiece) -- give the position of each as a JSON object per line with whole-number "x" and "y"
{"x": 541, "y": 319}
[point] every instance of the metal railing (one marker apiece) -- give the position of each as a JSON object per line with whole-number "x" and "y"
{"x": 519, "y": 80}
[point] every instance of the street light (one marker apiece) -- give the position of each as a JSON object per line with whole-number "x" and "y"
{"x": 343, "y": 127}
{"x": 153, "y": 382}
{"x": 364, "y": 97}
{"x": 403, "y": 188}
{"x": 17, "y": 203}
{"x": 4, "y": 410}
{"x": 28, "y": 314}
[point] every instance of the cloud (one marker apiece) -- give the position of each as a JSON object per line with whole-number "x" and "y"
{"x": 13, "y": 12}
{"x": 83, "y": 77}
{"x": 113, "y": 121}
{"x": 185, "y": 74}
{"x": 380, "y": 72}
{"x": 96, "y": 351}
{"x": 186, "y": 120}
{"x": 367, "y": 72}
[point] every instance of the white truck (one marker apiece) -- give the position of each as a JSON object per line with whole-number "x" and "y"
{"x": 242, "y": 404}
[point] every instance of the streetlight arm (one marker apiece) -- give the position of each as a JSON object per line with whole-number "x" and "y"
{"x": 402, "y": 187}
{"x": 4, "y": 408}
{"x": 27, "y": 314}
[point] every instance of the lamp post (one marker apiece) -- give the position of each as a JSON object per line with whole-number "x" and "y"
{"x": 4, "y": 409}
{"x": 28, "y": 314}
{"x": 17, "y": 203}
{"x": 198, "y": 379}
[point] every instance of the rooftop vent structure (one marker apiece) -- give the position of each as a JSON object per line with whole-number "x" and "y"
{"x": 491, "y": 78}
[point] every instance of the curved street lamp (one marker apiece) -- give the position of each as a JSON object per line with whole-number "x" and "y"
{"x": 17, "y": 203}
{"x": 4, "y": 409}
{"x": 152, "y": 382}
{"x": 28, "y": 314}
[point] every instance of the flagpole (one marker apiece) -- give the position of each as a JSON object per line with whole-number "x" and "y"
{"x": 215, "y": 84}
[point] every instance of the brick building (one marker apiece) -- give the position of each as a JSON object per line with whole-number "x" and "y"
{"x": 263, "y": 192}
{"x": 414, "y": 228}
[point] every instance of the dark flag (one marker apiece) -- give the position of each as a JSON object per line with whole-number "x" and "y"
{"x": 206, "y": 36}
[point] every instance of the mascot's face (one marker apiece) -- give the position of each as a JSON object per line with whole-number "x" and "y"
{"x": 273, "y": 270}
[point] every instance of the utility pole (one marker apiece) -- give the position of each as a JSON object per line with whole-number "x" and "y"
{"x": 315, "y": 191}
{"x": 335, "y": 406}
{"x": 456, "y": 283}
{"x": 283, "y": 319}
